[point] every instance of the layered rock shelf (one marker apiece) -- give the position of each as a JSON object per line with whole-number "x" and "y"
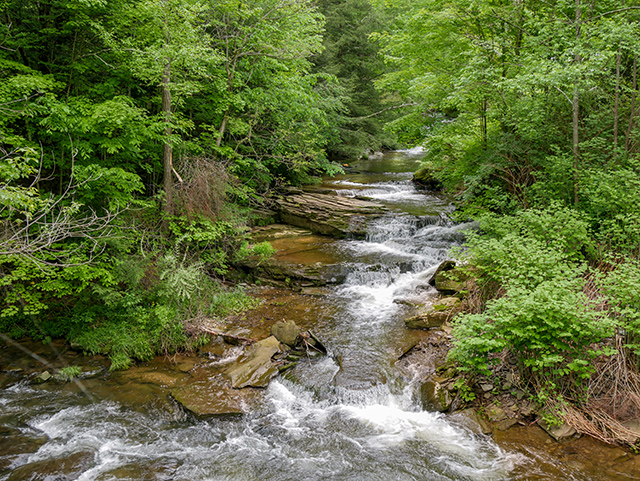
{"x": 327, "y": 214}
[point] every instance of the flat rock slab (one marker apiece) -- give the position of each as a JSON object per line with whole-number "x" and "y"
{"x": 213, "y": 397}
{"x": 255, "y": 368}
{"x": 559, "y": 433}
{"x": 327, "y": 214}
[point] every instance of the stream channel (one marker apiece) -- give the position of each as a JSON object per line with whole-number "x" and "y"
{"x": 352, "y": 415}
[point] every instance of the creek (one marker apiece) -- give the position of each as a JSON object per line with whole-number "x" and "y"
{"x": 352, "y": 415}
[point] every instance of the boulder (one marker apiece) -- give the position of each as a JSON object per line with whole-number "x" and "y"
{"x": 435, "y": 396}
{"x": 327, "y": 214}
{"x": 452, "y": 281}
{"x": 286, "y": 332}
{"x": 255, "y": 367}
{"x": 443, "y": 267}
{"x": 280, "y": 273}
{"x": 425, "y": 178}
{"x": 473, "y": 421}
{"x": 434, "y": 315}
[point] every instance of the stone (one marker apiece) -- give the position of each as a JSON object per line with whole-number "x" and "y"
{"x": 255, "y": 367}
{"x": 60, "y": 469}
{"x": 632, "y": 437}
{"x": 280, "y": 273}
{"x": 212, "y": 397}
{"x": 233, "y": 336}
{"x": 42, "y": 377}
{"x": 526, "y": 408}
{"x": 473, "y": 421}
{"x": 559, "y": 433}
{"x": 443, "y": 267}
{"x": 451, "y": 281}
{"x": 286, "y": 332}
{"x": 434, "y": 315}
{"x": 425, "y": 178}
{"x": 15, "y": 442}
{"x": 506, "y": 424}
{"x": 496, "y": 414}
{"x": 435, "y": 396}
{"x": 486, "y": 387}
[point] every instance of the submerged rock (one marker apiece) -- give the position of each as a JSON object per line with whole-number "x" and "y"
{"x": 213, "y": 397}
{"x": 255, "y": 367}
{"x": 59, "y": 469}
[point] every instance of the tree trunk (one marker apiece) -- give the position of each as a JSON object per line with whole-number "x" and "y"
{"x": 167, "y": 150}
{"x": 616, "y": 108}
{"x": 627, "y": 140}
{"x": 576, "y": 108}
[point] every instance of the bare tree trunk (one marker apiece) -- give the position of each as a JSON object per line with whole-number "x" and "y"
{"x": 616, "y": 108}
{"x": 576, "y": 108}
{"x": 627, "y": 139}
{"x": 167, "y": 149}
{"x": 483, "y": 127}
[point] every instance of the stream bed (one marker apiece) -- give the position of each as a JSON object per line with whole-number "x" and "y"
{"x": 352, "y": 415}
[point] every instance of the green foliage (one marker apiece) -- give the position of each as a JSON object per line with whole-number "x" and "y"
{"x": 531, "y": 246}
{"x": 261, "y": 250}
{"x": 352, "y": 56}
{"x": 543, "y": 316}
{"x": 551, "y": 328}
{"x": 532, "y": 100}
{"x": 215, "y": 243}
{"x": 464, "y": 391}
{"x": 622, "y": 286}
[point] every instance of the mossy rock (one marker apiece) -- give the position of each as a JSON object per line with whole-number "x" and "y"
{"x": 435, "y": 396}
{"x": 452, "y": 281}
{"x": 434, "y": 315}
{"x": 425, "y": 178}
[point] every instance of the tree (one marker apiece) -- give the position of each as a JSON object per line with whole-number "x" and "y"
{"x": 262, "y": 111}
{"x": 164, "y": 44}
{"x": 353, "y": 57}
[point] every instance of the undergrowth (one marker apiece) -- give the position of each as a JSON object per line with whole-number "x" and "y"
{"x": 546, "y": 293}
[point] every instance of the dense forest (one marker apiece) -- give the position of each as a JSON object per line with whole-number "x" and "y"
{"x": 138, "y": 138}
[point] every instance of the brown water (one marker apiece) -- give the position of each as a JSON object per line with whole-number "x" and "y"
{"x": 353, "y": 415}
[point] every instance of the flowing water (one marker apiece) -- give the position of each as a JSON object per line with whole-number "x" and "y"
{"x": 353, "y": 415}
